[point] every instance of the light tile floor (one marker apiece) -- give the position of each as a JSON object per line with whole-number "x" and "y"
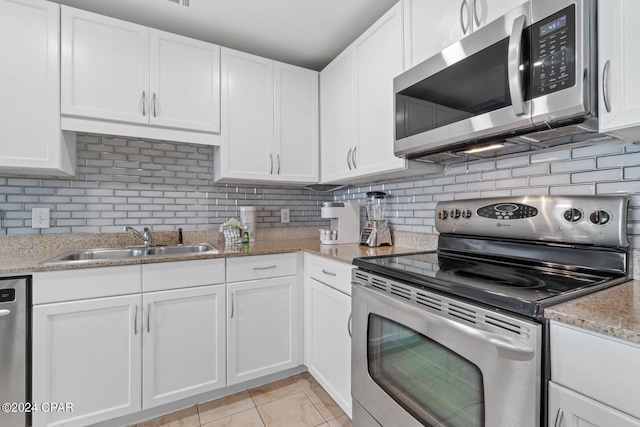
{"x": 297, "y": 401}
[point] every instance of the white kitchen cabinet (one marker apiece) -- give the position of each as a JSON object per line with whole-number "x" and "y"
{"x": 599, "y": 391}
{"x": 184, "y": 343}
{"x": 432, "y": 25}
{"x": 269, "y": 121}
{"x": 129, "y": 80}
{"x": 327, "y": 326}
{"x": 87, "y": 353}
{"x": 618, "y": 63}
{"x": 31, "y": 140}
{"x": 263, "y": 317}
{"x": 570, "y": 409}
{"x": 357, "y": 107}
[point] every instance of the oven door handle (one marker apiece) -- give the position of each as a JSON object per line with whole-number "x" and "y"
{"x": 502, "y": 342}
{"x": 515, "y": 74}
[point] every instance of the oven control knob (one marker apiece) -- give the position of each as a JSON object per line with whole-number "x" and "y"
{"x": 599, "y": 217}
{"x": 466, "y": 213}
{"x": 442, "y": 214}
{"x": 573, "y": 215}
{"x": 455, "y": 213}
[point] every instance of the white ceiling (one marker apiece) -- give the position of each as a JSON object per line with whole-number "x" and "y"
{"x": 308, "y": 33}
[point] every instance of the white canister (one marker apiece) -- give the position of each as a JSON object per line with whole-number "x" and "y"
{"x": 248, "y": 219}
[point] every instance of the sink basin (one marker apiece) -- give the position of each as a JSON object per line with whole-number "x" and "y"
{"x": 130, "y": 253}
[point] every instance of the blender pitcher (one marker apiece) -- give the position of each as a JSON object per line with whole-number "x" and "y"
{"x": 376, "y": 230}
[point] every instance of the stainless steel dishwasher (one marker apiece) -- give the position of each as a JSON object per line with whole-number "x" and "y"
{"x": 15, "y": 353}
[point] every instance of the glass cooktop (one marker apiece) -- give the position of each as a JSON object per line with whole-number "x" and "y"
{"x": 515, "y": 286}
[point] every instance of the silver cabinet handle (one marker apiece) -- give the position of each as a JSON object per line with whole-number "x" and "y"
{"x": 232, "y": 304}
{"x": 5, "y": 312}
{"x": 515, "y": 76}
{"x": 329, "y": 273}
{"x": 349, "y": 158}
{"x": 271, "y": 164}
{"x": 353, "y": 157}
{"x": 475, "y": 13}
{"x": 605, "y": 87}
{"x": 144, "y": 103}
{"x": 135, "y": 322}
{"x": 465, "y": 28}
{"x": 148, "y": 317}
{"x": 349, "y": 324}
{"x": 559, "y": 417}
{"x": 154, "y": 100}
{"x": 278, "y": 157}
{"x": 265, "y": 268}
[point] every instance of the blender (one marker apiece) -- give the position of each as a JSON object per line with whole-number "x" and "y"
{"x": 376, "y": 229}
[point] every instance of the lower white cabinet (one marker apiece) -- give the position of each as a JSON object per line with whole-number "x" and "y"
{"x": 183, "y": 341}
{"x": 111, "y": 356}
{"x": 327, "y": 326}
{"x": 570, "y": 409}
{"x": 263, "y": 317}
{"x": 602, "y": 389}
{"x": 87, "y": 353}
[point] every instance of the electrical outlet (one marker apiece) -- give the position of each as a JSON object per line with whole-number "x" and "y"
{"x": 284, "y": 216}
{"x": 40, "y": 218}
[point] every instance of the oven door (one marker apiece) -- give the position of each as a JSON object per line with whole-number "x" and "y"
{"x": 416, "y": 362}
{"x": 473, "y": 89}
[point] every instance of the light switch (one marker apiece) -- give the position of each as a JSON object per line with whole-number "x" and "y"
{"x": 284, "y": 216}
{"x": 40, "y": 218}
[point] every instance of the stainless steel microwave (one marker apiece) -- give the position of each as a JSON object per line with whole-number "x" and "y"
{"x": 530, "y": 72}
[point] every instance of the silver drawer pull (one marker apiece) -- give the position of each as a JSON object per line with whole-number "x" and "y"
{"x": 328, "y": 273}
{"x": 148, "y": 319}
{"x": 5, "y": 312}
{"x": 349, "y": 324}
{"x": 265, "y": 268}
{"x": 135, "y": 322}
{"x": 559, "y": 417}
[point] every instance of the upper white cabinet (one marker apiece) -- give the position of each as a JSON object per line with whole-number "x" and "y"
{"x": 126, "y": 79}
{"x": 619, "y": 61}
{"x": 30, "y": 137}
{"x": 357, "y": 107}
{"x": 269, "y": 121}
{"x": 432, "y": 25}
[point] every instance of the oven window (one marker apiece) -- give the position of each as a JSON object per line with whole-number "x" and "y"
{"x": 434, "y": 384}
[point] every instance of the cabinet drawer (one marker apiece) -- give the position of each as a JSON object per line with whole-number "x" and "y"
{"x": 182, "y": 274}
{"x": 598, "y": 366}
{"x": 261, "y": 267}
{"x": 85, "y": 283}
{"x": 332, "y": 273}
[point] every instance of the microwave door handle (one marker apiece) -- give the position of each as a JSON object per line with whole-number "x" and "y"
{"x": 515, "y": 76}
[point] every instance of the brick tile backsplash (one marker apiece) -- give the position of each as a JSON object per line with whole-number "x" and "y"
{"x": 161, "y": 185}
{"x": 169, "y": 185}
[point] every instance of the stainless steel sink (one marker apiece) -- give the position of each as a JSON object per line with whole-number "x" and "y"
{"x": 130, "y": 253}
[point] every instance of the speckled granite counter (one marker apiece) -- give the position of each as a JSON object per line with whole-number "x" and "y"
{"x": 25, "y": 255}
{"x": 614, "y": 312}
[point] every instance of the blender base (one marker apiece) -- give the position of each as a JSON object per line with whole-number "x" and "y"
{"x": 376, "y": 233}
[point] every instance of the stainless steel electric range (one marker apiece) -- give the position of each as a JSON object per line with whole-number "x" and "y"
{"x": 456, "y": 337}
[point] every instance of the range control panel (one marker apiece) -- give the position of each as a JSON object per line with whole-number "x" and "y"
{"x": 597, "y": 220}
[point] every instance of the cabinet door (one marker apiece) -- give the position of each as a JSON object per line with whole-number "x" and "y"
{"x": 247, "y": 116}
{"x": 619, "y": 62}
{"x": 30, "y": 138}
{"x": 570, "y": 409}
{"x": 378, "y": 59}
{"x": 336, "y": 111}
{"x": 185, "y": 82}
{"x": 87, "y": 353}
{"x": 262, "y": 336}
{"x": 184, "y": 343}
{"x": 105, "y": 67}
{"x": 296, "y": 124}
{"x": 432, "y": 25}
{"x": 486, "y": 11}
{"x": 328, "y": 341}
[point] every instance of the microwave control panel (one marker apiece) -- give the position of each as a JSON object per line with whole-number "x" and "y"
{"x": 553, "y": 51}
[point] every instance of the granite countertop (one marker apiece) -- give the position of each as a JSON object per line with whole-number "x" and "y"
{"x": 614, "y": 312}
{"x": 23, "y": 259}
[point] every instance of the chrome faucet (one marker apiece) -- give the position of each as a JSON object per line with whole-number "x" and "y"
{"x": 146, "y": 237}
